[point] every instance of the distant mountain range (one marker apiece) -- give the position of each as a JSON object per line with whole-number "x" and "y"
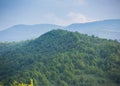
{"x": 24, "y": 32}
{"x": 109, "y": 29}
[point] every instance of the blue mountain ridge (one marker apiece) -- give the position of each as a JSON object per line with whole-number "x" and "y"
{"x": 109, "y": 29}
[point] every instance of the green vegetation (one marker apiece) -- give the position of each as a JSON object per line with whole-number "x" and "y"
{"x": 60, "y": 58}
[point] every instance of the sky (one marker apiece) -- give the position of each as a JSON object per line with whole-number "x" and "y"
{"x": 60, "y": 12}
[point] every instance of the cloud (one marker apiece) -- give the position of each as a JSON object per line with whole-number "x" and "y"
{"x": 77, "y": 17}
{"x": 54, "y": 19}
{"x": 71, "y": 17}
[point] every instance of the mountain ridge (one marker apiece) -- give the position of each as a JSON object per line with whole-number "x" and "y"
{"x": 104, "y": 29}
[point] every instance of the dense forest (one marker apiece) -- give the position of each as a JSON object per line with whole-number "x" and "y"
{"x": 60, "y": 58}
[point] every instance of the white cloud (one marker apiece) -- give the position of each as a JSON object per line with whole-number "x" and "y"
{"x": 77, "y": 17}
{"x": 70, "y": 18}
{"x": 54, "y": 19}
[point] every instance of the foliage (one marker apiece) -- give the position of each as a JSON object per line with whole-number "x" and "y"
{"x": 61, "y": 58}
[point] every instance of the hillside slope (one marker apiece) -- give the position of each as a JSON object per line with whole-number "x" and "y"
{"x": 61, "y": 58}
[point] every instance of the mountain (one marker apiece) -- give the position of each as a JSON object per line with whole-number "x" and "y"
{"x": 24, "y": 32}
{"x": 109, "y": 29}
{"x": 60, "y": 58}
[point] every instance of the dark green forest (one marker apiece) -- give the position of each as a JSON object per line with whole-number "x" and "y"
{"x": 60, "y": 58}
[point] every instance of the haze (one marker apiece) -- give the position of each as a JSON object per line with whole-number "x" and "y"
{"x": 60, "y": 12}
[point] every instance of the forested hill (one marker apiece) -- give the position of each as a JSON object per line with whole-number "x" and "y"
{"x": 60, "y": 58}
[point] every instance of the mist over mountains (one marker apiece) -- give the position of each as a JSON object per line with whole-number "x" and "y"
{"x": 109, "y": 29}
{"x": 24, "y": 32}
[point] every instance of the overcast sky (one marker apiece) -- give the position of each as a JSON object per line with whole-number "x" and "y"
{"x": 61, "y": 12}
